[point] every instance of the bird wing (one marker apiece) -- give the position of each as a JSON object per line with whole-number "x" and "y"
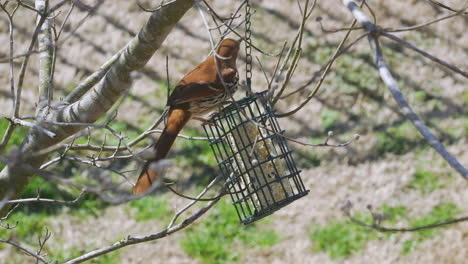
{"x": 189, "y": 90}
{"x": 184, "y": 93}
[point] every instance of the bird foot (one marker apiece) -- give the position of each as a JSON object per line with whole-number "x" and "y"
{"x": 204, "y": 121}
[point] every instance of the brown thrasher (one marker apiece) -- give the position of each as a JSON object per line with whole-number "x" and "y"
{"x": 208, "y": 86}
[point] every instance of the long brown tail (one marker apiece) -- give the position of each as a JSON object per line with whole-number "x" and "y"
{"x": 175, "y": 122}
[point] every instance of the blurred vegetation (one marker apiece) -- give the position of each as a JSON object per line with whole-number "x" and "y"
{"x": 149, "y": 208}
{"x": 32, "y": 217}
{"x": 398, "y": 139}
{"x": 63, "y": 254}
{"x": 440, "y": 213}
{"x": 329, "y": 118}
{"x": 425, "y": 181}
{"x": 15, "y": 139}
{"x": 221, "y": 238}
{"x": 341, "y": 239}
{"x": 196, "y": 155}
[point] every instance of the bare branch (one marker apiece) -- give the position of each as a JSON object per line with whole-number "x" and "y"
{"x": 297, "y": 52}
{"x": 25, "y": 250}
{"x": 20, "y": 122}
{"x": 199, "y": 196}
{"x": 392, "y": 85}
{"x": 11, "y": 126}
{"x": 322, "y": 78}
{"x": 163, "y": 3}
{"x": 65, "y": 21}
{"x": 322, "y": 69}
{"x": 424, "y": 24}
{"x": 7, "y": 226}
{"x": 129, "y": 240}
{"x": 30, "y": 7}
{"x": 91, "y": 80}
{"x": 424, "y": 53}
{"x": 46, "y": 59}
{"x": 42, "y": 242}
{"x": 444, "y": 6}
{"x": 39, "y": 199}
{"x": 97, "y": 102}
{"x": 377, "y": 219}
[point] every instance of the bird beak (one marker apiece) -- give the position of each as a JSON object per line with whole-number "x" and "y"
{"x": 240, "y": 40}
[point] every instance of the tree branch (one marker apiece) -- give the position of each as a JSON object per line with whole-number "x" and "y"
{"x": 25, "y": 250}
{"x": 377, "y": 219}
{"x": 324, "y": 75}
{"x": 392, "y": 85}
{"x": 141, "y": 239}
{"x": 97, "y": 102}
{"x": 45, "y": 58}
{"x": 424, "y": 53}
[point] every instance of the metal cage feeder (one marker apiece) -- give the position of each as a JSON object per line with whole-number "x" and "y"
{"x": 254, "y": 158}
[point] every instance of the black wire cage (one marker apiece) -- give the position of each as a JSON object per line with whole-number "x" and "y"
{"x": 254, "y": 157}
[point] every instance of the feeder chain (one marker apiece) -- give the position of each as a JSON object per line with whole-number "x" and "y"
{"x": 248, "y": 47}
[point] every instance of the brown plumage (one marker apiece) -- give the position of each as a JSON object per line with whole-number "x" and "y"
{"x": 206, "y": 87}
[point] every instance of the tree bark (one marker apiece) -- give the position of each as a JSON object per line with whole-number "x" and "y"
{"x": 95, "y": 103}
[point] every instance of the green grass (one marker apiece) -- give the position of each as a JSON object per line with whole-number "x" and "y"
{"x": 398, "y": 139}
{"x": 420, "y": 96}
{"x": 307, "y": 159}
{"x": 464, "y": 96}
{"x": 127, "y": 131}
{"x": 425, "y": 181}
{"x": 440, "y": 213}
{"x": 329, "y": 118}
{"x": 342, "y": 238}
{"x": 195, "y": 155}
{"x": 219, "y": 238}
{"x": 89, "y": 205}
{"x": 16, "y": 138}
{"x": 393, "y": 213}
{"x": 195, "y": 151}
{"x": 28, "y": 225}
{"x": 149, "y": 208}
{"x": 61, "y": 254}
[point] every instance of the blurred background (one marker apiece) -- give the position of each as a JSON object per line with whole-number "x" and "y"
{"x": 391, "y": 167}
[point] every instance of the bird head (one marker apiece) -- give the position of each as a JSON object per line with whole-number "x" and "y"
{"x": 228, "y": 48}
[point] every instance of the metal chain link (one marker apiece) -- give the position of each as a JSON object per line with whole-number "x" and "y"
{"x": 248, "y": 47}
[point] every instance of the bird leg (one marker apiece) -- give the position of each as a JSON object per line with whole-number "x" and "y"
{"x": 204, "y": 120}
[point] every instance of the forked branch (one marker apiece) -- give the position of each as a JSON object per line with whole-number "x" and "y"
{"x": 392, "y": 85}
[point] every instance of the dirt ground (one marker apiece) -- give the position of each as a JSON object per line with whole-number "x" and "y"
{"x": 358, "y": 173}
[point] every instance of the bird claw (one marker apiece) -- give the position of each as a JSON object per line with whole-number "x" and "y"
{"x": 204, "y": 121}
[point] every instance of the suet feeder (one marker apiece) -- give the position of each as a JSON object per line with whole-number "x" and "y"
{"x": 254, "y": 157}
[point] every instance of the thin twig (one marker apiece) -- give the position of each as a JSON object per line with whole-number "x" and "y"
{"x": 377, "y": 219}
{"x": 424, "y": 53}
{"x": 39, "y": 199}
{"x": 297, "y": 51}
{"x": 92, "y": 79}
{"x": 185, "y": 208}
{"x": 129, "y": 240}
{"x": 444, "y": 6}
{"x": 322, "y": 69}
{"x": 423, "y": 24}
{"x": 11, "y": 125}
{"x": 25, "y": 250}
{"x": 46, "y": 56}
{"x": 20, "y": 122}
{"x": 135, "y": 141}
{"x": 392, "y": 85}
{"x": 152, "y": 10}
{"x": 324, "y": 74}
